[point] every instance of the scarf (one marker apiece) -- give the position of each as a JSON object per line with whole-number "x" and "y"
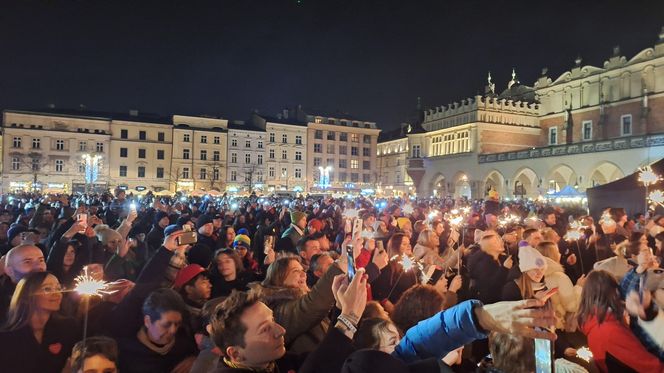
{"x": 269, "y": 369}
{"x": 142, "y": 336}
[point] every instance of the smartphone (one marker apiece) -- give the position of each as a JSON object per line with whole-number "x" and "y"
{"x": 357, "y": 228}
{"x": 549, "y": 293}
{"x": 351, "y": 262}
{"x": 82, "y": 220}
{"x": 268, "y": 244}
{"x": 435, "y": 276}
{"x": 187, "y": 238}
{"x": 543, "y": 355}
{"x": 348, "y": 227}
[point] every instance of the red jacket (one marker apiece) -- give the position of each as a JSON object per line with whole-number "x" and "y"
{"x": 615, "y": 338}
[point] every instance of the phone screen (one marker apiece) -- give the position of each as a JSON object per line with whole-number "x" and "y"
{"x": 543, "y": 356}
{"x": 82, "y": 221}
{"x": 351, "y": 262}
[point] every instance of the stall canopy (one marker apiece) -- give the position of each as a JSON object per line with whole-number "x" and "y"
{"x": 567, "y": 192}
{"x": 627, "y": 192}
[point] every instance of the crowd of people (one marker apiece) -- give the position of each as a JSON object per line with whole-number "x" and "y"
{"x": 323, "y": 284}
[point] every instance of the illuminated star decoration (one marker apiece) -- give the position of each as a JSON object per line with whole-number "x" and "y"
{"x": 407, "y": 209}
{"x": 647, "y": 176}
{"x": 506, "y": 220}
{"x": 606, "y": 219}
{"x": 584, "y": 353}
{"x": 85, "y": 284}
{"x": 656, "y": 196}
{"x": 433, "y": 214}
{"x": 407, "y": 263}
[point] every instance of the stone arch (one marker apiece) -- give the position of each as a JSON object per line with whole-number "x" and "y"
{"x": 526, "y": 183}
{"x": 439, "y": 185}
{"x": 494, "y": 180}
{"x": 462, "y": 186}
{"x": 603, "y": 173}
{"x": 559, "y": 177}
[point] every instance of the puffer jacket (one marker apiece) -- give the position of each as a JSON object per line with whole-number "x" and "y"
{"x": 566, "y": 301}
{"x": 302, "y": 314}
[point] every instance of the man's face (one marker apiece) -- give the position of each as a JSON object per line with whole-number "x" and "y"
{"x": 163, "y": 330}
{"x": 550, "y": 219}
{"x": 216, "y": 223}
{"x": 27, "y": 260}
{"x": 324, "y": 243}
{"x": 492, "y": 245}
{"x": 163, "y": 223}
{"x": 263, "y": 340}
{"x": 98, "y": 364}
{"x": 302, "y": 223}
{"x": 201, "y": 289}
{"x": 534, "y": 239}
{"x": 47, "y": 216}
{"x": 311, "y": 248}
{"x": 510, "y": 238}
{"x": 206, "y": 230}
{"x": 324, "y": 262}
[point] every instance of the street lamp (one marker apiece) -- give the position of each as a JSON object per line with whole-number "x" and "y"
{"x": 325, "y": 176}
{"x": 91, "y": 162}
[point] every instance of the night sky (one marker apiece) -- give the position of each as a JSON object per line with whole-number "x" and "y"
{"x": 370, "y": 58}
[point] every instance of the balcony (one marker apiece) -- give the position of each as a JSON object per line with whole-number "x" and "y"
{"x": 621, "y": 143}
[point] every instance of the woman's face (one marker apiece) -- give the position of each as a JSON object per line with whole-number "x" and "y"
{"x": 230, "y": 235}
{"x": 535, "y": 275}
{"x": 98, "y": 364}
{"x": 389, "y": 338}
{"x": 226, "y": 265}
{"x": 113, "y": 243}
{"x": 405, "y": 247}
{"x": 296, "y": 277}
{"x": 434, "y": 240}
{"x": 242, "y": 251}
{"x": 49, "y": 296}
{"x": 70, "y": 255}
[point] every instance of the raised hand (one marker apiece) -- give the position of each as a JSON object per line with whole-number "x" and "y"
{"x": 519, "y": 317}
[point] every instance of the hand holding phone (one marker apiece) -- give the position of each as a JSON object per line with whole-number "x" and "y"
{"x": 82, "y": 220}
{"x": 351, "y": 261}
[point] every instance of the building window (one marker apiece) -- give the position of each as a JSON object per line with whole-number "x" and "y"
{"x": 298, "y": 140}
{"x": 354, "y": 164}
{"x": 203, "y": 155}
{"x": 82, "y": 146}
{"x": 141, "y": 153}
{"x": 161, "y": 136}
{"x": 354, "y": 137}
{"x": 284, "y": 173}
{"x": 366, "y": 165}
{"x": 141, "y": 171}
{"x": 298, "y": 173}
{"x": 284, "y": 154}
{"x": 366, "y": 178}
{"x": 185, "y": 137}
{"x": 553, "y": 135}
{"x": 366, "y": 139}
{"x": 587, "y": 130}
{"x": 270, "y": 172}
{"x": 123, "y": 171}
{"x": 185, "y": 172}
{"x": 318, "y": 148}
{"x": 284, "y": 139}
{"x": 317, "y": 162}
{"x": 203, "y": 139}
{"x": 366, "y": 152}
{"x": 100, "y": 147}
{"x": 260, "y": 145}
{"x": 185, "y": 153}
{"x": 259, "y": 176}
{"x": 16, "y": 164}
{"x": 123, "y": 152}
{"x": 318, "y": 135}
{"x": 59, "y": 144}
{"x": 81, "y": 168}
{"x": 216, "y": 140}
{"x": 142, "y": 135}
{"x": 35, "y": 164}
{"x": 626, "y": 125}
{"x": 354, "y": 150}
{"x": 416, "y": 151}
{"x": 17, "y": 142}
{"x": 331, "y": 135}
{"x": 124, "y": 134}
{"x": 298, "y": 156}
{"x": 216, "y": 156}
{"x": 233, "y": 157}
{"x": 342, "y": 176}
{"x": 215, "y": 174}
{"x": 343, "y": 149}
{"x": 271, "y": 153}
{"x": 260, "y": 159}
{"x": 247, "y": 144}
{"x": 354, "y": 177}
{"x": 271, "y": 136}
{"x": 343, "y": 136}
{"x": 36, "y": 143}
{"x": 160, "y": 154}
{"x": 247, "y": 158}
{"x": 203, "y": 174}
{"x": 234, "y": 142}
{"x": 343, "y": 163}
{"x": 330, "y": 148}
{"x": 160, "y": 172}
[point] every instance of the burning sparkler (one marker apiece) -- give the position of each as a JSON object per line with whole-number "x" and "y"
{"x": 584, "y": 353}
{"x": 657, "y": 196}
{"x": 647, "y": 176}
{"x": 88, "y": 286}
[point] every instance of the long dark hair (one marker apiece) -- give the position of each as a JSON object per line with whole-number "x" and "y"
{"x": 22, "y": 305}
{"x": 239, "y": 268}
{"x": 600, "y": 297}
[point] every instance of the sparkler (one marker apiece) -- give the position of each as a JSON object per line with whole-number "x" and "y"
{"x": 648, "y": 177}
{"x": 407, "y": 209}
{"x": 656, "y": 196}
{"x": 407, "y": 263}
{"x": 88, "y": 286}
{"x": 584, "y": 353}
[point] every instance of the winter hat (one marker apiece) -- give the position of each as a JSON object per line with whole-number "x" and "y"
{"x": 159, "y": 215}
{"x": 242, "y": 231}
{"x": 14, "y": 231}
{"x": 402, "y": 222}
{"x": 200, "y": 254}
{"x": 172, "y": 229}
{"x": 242, "y": 240}
{"x": 202, "y": 220}
{"x": 105, "y": 234}
{"x": 182, "y": 220}
{"x": 316, "y": 224}
{"x": 296, "y": 216}
{"x": 530, "y": 258}
{"x": 187, "y": 274}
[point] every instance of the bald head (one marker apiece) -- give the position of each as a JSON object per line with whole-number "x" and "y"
{"x": 24, "y": 259}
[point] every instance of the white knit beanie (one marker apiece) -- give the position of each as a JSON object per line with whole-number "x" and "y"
{"x": 530, "y": 258}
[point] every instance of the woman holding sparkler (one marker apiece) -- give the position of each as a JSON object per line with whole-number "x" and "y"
{"x": 35, "y": 338}
{"x": 399, "y": 275}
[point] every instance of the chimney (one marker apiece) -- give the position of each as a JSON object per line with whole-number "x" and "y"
{"x": 133, "y": 112}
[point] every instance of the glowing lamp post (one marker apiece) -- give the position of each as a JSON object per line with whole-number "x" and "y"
{"x": 325, "y": 176}
{"x": 91, "y": 162}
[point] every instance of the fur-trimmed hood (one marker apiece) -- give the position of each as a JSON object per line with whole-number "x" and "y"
{"x": 552, "y": 267}
{"x": 272, "y": 295}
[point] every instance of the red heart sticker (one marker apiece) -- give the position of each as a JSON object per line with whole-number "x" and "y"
{"x": 55, "y": 348}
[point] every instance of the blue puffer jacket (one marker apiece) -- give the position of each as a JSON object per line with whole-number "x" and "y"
{"x": 438, "y": 335}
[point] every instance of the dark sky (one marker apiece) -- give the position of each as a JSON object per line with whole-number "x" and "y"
{"x": 370, "y": 58}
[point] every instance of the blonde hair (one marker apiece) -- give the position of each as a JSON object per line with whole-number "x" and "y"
{"x": 548, "y": 249}
{"x": 426, "y": 238}
{"x": 525, "y": 286}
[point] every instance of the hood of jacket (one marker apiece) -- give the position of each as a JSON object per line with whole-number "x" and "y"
{"x": 272, "y": 295}
{"x": 552, "y": 267}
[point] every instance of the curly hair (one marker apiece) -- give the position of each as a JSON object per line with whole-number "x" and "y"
{"x": 416, "y": 304}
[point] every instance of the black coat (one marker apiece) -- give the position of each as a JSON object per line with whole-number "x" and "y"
{"x": 390, "y": 284}
{"x": 136, "y": 357}
{"x": 487, "y": 277}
